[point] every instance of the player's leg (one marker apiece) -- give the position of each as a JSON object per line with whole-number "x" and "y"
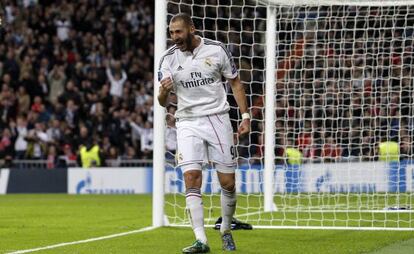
{"x": 228, "y": 199}
{"x": 191, "y": 152}
{"x": 226, "y": 178}
{"x": 220, "y": 151}
{"x": 194, "y": 202}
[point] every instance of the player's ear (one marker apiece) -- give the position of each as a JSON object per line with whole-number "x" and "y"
{"x": 192, "y": 29}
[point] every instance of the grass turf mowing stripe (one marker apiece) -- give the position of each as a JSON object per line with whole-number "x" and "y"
{"x": 83, "y": 241}
{"x": 404, "y": 247}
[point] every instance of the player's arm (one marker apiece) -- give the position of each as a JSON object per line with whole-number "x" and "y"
{"x": 166, "y": 85}
{"x": 240, "y": 96}
{"x": 229, "y": 71}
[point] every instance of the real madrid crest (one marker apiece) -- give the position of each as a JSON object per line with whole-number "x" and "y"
{"x": 208, "y": 62}
{"x": 179, "y": 157}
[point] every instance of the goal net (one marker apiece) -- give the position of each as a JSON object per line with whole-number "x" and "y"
{"x": 342, "y": 124}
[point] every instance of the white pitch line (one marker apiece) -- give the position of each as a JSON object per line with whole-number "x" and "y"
{"x": 83, "y": 241}
{"x": 249, "y": 214}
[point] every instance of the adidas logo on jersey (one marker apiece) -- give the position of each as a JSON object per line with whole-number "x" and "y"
{"x": 180, "y": 68}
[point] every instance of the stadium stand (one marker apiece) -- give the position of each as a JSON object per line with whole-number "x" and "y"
{"x": 351, "y": 87}
{"x": 334, "y": 102}
{"x": 55, "y": 81}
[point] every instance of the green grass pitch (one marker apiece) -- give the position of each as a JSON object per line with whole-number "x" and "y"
{"x": 32, "y": 221}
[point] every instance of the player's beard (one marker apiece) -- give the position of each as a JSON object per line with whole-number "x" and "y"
{"x": 188, "y": 42}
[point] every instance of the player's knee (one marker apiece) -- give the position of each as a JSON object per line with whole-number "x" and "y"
{"x": 227, "y": 183}
{"x": 229, "y": 186}
{"x": 226, "y": 177}
{"x": 193, "y": 178}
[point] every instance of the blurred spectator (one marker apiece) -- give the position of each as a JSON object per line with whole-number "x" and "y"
{"x": 113, "y": 159}
{"x": 54, "y": 132}
{"x": 304, "y": 143}
{"x": 90, "y": 154}
{"x": 23, "y": 101}
{"x": 389, "y": 151}
{"x": 37, "y": 142}
{"x": 37, "y": 103}
{"x": 63, "y": 25}
{"x": 7, "y": 111}
{"x": 71, "y": 115}
{"x": 42, "y": 86}
{"x": 293, "y": 155}
{"x": 406, "y": 148}
{"x": 68, "y": 158}
{"x": 331, "y": 151}
{"x": 52, "y": 157}
{"x": 71, "y": 93}
{"x": 6, "y": 145}
{"x": 146, "y": 134}
{"x": 130, "y": 153}
{"x": 141, "y": 96}
{"x": 20, "y": 131}
{"x": 117, "y": 80}
{"x": 56, "y": 78}
{"x": 11, "y": 66}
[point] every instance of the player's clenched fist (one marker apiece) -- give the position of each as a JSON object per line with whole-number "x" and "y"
{"x": 244, "y": 127}
{"x": 166, "y": 85}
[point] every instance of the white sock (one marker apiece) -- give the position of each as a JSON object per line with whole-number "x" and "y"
{"x": 195, "y": 208}
{"x": 228, "y": 206}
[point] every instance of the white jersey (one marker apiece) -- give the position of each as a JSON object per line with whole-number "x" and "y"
{"x": 197, "y": 78}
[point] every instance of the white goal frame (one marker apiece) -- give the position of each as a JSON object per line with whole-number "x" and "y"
{"x": 159, "y": 218}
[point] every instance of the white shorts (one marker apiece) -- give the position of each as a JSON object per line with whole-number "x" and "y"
{"x": 206, "y": 139}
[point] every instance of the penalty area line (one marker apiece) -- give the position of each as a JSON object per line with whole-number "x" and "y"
{"x": 83, "y": 241}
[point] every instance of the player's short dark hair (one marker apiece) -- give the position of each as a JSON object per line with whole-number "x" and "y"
{"x": 183, "y": 17}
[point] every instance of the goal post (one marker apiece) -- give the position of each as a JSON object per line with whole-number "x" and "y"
{"x": 160, "y": 43}
{"x": 330, "y": 79}
{"x": 269, "y": 129}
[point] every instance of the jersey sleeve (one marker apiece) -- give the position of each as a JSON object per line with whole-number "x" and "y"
{"x": 228, "y": 67}
{"x": 163, "y": 69}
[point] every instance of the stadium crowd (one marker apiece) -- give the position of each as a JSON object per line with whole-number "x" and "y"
{"x": 348, "y": 84}
{"x": 73, "y": 73}
{"x": 80, "y": 73}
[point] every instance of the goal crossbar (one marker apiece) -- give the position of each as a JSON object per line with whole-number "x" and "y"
{"x": 336, "y": 2}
